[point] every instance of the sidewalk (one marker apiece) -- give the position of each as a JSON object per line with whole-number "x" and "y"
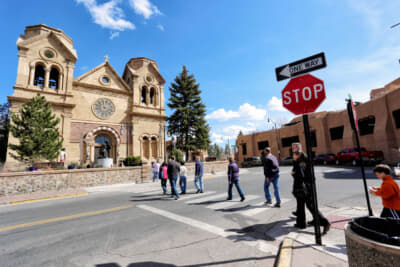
{"x": 302, "y": 250}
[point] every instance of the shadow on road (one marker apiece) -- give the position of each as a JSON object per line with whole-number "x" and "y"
{"x": 158, "y": 264}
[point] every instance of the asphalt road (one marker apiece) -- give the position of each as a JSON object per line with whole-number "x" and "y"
{"x": 136, "y": 225}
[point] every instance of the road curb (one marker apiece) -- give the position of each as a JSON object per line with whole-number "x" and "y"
{"x": 284, "y": 258}
{"x": 46, "y": 198}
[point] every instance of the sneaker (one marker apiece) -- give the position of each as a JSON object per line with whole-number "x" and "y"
{"x": 201, "y": 191}
{"x": 242, "y": 199}
{"x": 229, "y": 198}
{"x": 176, "y": 198}
{"x": 183, "y": 192}
{"x": 268, "y": 202}
{"x": 326, "y": 229}
{"x": 198, "y": 191}
{"x": 277, "y": 205}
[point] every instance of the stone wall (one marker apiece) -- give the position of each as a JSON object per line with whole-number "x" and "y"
{"x": 28, "y": 182}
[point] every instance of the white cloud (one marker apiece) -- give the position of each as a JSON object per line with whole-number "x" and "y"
{"x": 161, "y": 27}
{"x": 245, "y": 112}
{"x": 275, "y": 104}
{"x": 108, "y": 15}
{"x": 144, "y": 8}
{"x": 114, "y": 35}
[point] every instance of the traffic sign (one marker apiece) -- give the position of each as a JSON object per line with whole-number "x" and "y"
{"x": 301, "y": 66}
{"x": 303, "y": 94}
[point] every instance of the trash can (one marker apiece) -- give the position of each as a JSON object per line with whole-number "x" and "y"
{"x": 373, "y": 241}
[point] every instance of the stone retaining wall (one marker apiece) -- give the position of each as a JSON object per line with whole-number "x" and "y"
{"x": 28, "y": 182}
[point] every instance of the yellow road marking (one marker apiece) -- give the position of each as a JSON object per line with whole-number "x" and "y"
{"x": 64, "y": 218}
{"x": 45, "y": 198}
{"x": 285, "y": 255}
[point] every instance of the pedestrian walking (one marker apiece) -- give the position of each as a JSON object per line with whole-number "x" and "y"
{"x": 173, "y": 172}
{"x": 198, "y": 175}
{"x": 163, "y": 175}
{"x": 389, "y": 192}
{"x": 302, "y": 190}
{"x": 156, "y": 169}
{"x": 271, "y": 173}
{"x": 182, "y": 178}
{"x": 233, "y": 179}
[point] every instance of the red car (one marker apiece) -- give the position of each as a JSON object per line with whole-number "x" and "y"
{"x": 351, "y": 155}
{"x": 324, "y": 159}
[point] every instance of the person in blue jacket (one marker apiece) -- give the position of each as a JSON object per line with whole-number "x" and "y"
{"x": 198, "y": 176}
{"x": 233, "y": 179}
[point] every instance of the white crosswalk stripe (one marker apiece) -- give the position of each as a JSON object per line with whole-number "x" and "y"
{"x": 193, "y": 194}
{"x": 204, "y": 199}
{"x": 230, "y": 203}
{"x": 259, "y": 207}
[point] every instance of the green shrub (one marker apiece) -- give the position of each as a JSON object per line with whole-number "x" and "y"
{"x": 132, "y": 161}
{"x": 98, "y": 166}
{"x": 177, "y": 154}
{"x": 59, "y": 168}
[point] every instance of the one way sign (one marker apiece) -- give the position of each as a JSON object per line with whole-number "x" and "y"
{"x": 301, "y": 66}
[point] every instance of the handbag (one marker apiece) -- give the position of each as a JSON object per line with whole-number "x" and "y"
{"x": 397, "y": 170}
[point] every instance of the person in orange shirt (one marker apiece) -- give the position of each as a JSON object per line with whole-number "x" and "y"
{"x": 389, "y": 192}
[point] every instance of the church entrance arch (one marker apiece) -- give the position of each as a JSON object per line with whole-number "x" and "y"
{"x": 102, "y": 142}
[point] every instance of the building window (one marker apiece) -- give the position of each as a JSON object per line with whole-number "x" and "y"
{"x": 366, "y": 125}
{"x": 313, "y": 139}
{"x": 39, "y": 76}
{"x": 152, "y": 96}
{"x": 54, "y": 77}
{"x": 144, "y": 91}
{"x": 105, "y": 80}
{"x": 336, "y": 132}
{"x": 262, "y": 145}
{"x": 288, "y": 141}
{"x": 244, "y": 149}
{"x": 396, "y": 117}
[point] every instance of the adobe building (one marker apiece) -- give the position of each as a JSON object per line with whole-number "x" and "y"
{"x": 97, "y": 107}
{"x": 378, "y": 119}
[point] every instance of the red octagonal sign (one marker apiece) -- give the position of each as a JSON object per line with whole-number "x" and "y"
{"x": 303, "y": 94}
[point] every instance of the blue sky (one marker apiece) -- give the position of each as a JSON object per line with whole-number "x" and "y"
{"x": 232, "y": 47}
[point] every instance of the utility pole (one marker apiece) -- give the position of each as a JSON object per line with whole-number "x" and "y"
{"x": 277, "y": 137}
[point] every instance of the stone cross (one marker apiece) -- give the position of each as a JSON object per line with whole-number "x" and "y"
{"x": 106, "y": 57}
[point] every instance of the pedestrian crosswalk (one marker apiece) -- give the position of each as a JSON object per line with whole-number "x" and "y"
{"x": 252, "y": 206}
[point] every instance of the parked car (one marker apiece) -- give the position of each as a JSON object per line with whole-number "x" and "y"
{"x": 251, "y": 162}
{"x": 324, "y": 159}
{"x": 211, "y": 159}
{"x": 351, "y": 155}
{"x": 286, "y": 161}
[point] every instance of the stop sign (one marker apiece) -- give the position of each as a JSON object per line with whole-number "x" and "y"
{"x": 303, "y": 94}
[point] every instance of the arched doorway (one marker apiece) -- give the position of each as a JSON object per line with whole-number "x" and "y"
{"x": 101, "y": 142}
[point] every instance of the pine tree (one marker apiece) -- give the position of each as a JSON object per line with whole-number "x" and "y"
{"x": 36, "y": 129}
{"x": 227, "y": 150}
{"x": 4, "y": 129}
{"x": 188, "y": 121}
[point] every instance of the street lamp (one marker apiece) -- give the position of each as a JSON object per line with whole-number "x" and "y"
{"x": 269, "y": 120}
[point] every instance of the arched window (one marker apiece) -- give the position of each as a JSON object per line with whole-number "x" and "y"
{"x": 54, "y": 77}
{"x": 144, "y": 92}
{"x": 154, "y": 147}
{"x": 39, "y": 75}
{"x": 152, "y": 96}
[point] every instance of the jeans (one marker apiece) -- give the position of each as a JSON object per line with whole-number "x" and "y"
{"x": 164, "y": 185}
{"x": 174, "y": 192}
{"x": 275, "y": 181}
{"x": 155, "y": 176}
{"x": 182, "y": 183}
{"x": 199, "y": 180}
{"x": 238, "y": 188}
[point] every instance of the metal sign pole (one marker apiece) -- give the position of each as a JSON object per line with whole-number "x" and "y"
{"x": 317, "y": 223}
{"x": 354, "y": 126}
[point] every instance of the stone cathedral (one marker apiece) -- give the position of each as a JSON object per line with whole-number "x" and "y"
{"x": 127, "y": 113}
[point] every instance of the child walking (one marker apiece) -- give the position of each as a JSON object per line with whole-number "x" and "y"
{"x": 389, "y": 192}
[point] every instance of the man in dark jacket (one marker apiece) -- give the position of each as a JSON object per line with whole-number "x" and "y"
{"x": 271, "y": 172}
{"x": 198, "y": 175}
{"x": 233, "y": 179}
{"x": 173, "y": 173}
